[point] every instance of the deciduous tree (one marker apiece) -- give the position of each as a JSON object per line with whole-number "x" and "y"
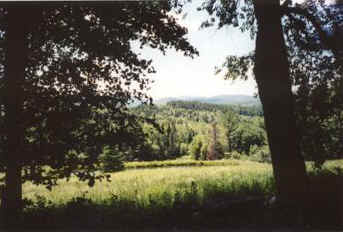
{"x": 68, "y": 73}
{"x": 264, "y": 20}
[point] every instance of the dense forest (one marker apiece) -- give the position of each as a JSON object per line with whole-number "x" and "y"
{"x": 205, "y": 131}
{"x": 200, "y": 130}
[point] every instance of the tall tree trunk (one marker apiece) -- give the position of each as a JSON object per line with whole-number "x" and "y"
{"x": 274, "y": 86}
{"x": 15, "y": 63}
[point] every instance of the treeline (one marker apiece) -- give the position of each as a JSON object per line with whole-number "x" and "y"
{"x": 254, "y": 110}
{"x": 206, "y": 131}
{"x": 201, "y": 130}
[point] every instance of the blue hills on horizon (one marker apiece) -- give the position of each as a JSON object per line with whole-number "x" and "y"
{"x": 219, "y": 99}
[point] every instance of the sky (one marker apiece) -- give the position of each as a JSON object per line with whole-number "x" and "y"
{"x": 182, "y": 76}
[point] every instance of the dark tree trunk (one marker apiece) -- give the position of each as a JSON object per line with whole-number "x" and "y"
{"x": 274, "y": 86}
{"x": 15, "y": 63}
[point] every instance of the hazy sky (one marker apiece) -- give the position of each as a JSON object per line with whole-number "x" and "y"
{"x": 182, "y": 76}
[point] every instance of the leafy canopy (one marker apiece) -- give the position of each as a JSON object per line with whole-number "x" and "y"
{"x": 313, "y": 35}
{"x": 82, "y": 73}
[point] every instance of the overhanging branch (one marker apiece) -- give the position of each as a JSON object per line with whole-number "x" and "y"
{"x": 303, "y": 12}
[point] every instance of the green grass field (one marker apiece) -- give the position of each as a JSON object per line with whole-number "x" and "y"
{"x": 183, "y": 162}
{"x": 181, "y": 192}
{"x": 142, "y": 181}
{"x": 230, "y": 177}
{"x": 186, "y": 195}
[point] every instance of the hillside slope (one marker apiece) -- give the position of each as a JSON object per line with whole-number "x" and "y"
{"x": 220, "y": 99}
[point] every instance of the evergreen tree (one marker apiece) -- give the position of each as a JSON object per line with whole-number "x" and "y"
{"x": 215, "y": 150}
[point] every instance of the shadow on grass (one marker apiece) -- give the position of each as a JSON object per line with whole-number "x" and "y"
{"x": 219, "y": 210}
{"x": 326, "y": 199}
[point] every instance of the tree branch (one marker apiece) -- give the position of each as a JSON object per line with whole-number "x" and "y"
{"x": 286, "y": 3}
{"x": 300, "y": 11}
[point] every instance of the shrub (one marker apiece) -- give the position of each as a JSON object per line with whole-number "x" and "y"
{"x": 233, "y": 155}
{"x": 204, "y": 151}
{"x": 112, "y": 160}
{"x": 183, "y": 149}
{"x": 260, "y": 154}
{"x": 179, "y": 163}
{"x": 196, "y": 147}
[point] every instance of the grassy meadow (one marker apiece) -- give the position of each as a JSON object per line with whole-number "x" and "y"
{"x": 185, "y": 161}
{"x": 141, "y": 185}
{"x": 212, "y": 194}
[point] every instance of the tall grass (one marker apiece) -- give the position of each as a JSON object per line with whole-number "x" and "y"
{"x": 219, "y": 195}
{"x": 159, "y": 196}
{"x": 179, "y": 163}
{"x": 144, "y": 184}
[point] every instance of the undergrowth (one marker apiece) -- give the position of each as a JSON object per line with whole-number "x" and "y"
{"x": 179, "y": 163}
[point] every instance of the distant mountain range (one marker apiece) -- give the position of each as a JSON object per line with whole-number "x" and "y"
{"x": 220, "y": 99}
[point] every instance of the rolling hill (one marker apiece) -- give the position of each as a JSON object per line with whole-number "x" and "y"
{"x": 220, "y": 99}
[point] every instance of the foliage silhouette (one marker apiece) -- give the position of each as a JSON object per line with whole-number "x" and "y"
{"x": 293, "y": 28}
{"x": 68, "y": 74}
